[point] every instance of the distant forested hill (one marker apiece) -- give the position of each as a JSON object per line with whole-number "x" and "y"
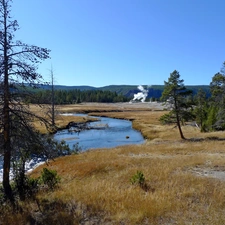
{"x": 67, "y": 88}
{"x": 154, "y": 91}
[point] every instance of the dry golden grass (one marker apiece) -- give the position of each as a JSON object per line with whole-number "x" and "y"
{"x": 178, "y": 190}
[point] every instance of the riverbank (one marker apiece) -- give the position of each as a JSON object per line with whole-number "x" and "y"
{"x": 96, "y": 185}
{"x": 113, "y": 110}
{"x": 63, "y": 117}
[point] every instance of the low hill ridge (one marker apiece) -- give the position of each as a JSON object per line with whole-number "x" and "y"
{"x": 154, "y": 91}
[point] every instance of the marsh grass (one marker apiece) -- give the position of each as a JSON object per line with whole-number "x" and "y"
{"x": 99, "y": 180}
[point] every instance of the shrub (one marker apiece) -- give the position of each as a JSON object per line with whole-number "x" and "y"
{"x": 63, "y": 148}
{"x": 25, "y": 187}
{"x": 50, "y": 178}
{"x": 76, "y": 149}
{"x": 138, "y": 178}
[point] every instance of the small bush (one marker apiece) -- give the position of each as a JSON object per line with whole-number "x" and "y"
{"x": 50, "y": 178}
{"x": 63, "y": 148}
{"x": 76, "y": 149}
{"x": 25, "y": 187}
{"x": 138, "y": 178}
{"x": 32, "y": 184}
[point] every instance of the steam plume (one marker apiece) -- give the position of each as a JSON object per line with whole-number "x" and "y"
{"x": 142, "y": 95}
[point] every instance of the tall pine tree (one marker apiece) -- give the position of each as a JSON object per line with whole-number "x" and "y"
{"x": 176, "y": 93}
{"x": 18, "y": 64}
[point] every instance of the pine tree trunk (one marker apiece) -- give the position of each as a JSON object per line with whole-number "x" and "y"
{"x": 178, "y": 120}
{"x": 6, "y": 143}
{"x": 6, "y": 115}
{"x": 179, "y": 127}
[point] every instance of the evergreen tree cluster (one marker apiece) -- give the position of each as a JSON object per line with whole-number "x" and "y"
{"x": 76, "y": 96}
{"x": 208, "y": 112}
{"x": 214, "y": 108}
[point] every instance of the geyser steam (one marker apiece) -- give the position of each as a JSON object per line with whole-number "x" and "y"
{"x": 142, "y": 95}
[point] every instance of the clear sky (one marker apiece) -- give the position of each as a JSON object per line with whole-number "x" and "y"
{"x": 133, "y": 42}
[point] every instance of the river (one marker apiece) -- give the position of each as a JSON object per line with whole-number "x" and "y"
{"x": 105, "y": 133}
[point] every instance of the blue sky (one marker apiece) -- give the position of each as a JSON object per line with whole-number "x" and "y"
{"x": 133, "y": 42}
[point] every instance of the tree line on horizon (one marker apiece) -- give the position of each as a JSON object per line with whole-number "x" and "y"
{"x": 154, "y": 91}
{"x": 75, "y": 96}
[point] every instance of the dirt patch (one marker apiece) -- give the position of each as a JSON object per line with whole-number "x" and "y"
{"x": 125, "y": 106}
{"x": 217, "y": 172}
{"x": 208, "y": 172}
{"x": 149, "y": 155}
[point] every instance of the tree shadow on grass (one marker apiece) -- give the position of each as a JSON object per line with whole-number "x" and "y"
{"x": 213, "y": 138}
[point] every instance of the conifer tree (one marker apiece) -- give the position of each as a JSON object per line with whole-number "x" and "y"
{"x": 176, "y": 93}
{"x": 18, "y": 64}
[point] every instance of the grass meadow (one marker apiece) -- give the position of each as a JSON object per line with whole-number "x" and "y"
{"x": 184, "y": 179}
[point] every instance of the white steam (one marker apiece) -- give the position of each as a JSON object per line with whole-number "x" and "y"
{"x": 142, "y": 95}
